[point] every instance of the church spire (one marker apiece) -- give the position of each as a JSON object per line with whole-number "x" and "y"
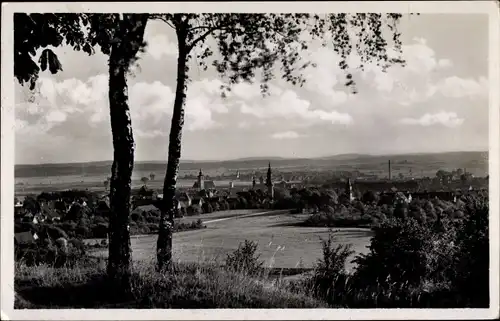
{"x": 269, "y": 181}
{"x": 201, "y": 181}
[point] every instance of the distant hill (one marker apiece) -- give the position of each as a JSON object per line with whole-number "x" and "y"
{"x": 475, "y": 162}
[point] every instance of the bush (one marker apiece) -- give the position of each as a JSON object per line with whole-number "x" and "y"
{"x": 470, "y": 273}
{"x": 194, "y": 210}
{"x": 207, "y": 208}
{"x": 244, "y": 259}
{"x": 40, "y": 253}
{"x": 195, "y": 225}
{"x": 330, "y": 277}
{"x": 398, "y": 254}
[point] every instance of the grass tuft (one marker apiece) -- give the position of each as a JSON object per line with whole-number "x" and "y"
{"x": 193, "y": 286}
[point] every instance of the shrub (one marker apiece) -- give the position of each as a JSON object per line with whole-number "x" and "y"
{"x": 194, "y": 210}
{"x": 207, "y": 208}
{"x": 398, "y": 254}
{"x": 329, "y": 281}
{"x": 244, "y": 259}
{"x": 470, "y": 272}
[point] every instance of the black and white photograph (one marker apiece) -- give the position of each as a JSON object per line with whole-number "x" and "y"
{"x": 250, "y": 160}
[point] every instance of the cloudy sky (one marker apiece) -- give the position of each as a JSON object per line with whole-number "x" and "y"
{"x": 437, "y": 103}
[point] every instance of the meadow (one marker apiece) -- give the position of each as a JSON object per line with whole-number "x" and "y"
{"x": 280, "y": 243}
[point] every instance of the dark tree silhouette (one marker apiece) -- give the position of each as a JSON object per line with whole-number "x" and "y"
{"x": 120, "y": 36}
{"x": 242, "y": 41}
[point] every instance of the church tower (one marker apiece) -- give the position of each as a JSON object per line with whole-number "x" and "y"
{"x": 201, "y": 181}
{"x": 269, "y": 182}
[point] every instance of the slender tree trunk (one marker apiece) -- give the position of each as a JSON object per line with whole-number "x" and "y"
{"x": 129, "y": 36}
{"x": 164, "y": 244}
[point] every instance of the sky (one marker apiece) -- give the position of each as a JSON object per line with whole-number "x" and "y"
{"x": 437, "y": 103}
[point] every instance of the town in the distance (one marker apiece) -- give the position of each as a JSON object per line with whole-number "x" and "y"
{"x": 82, "y": 211}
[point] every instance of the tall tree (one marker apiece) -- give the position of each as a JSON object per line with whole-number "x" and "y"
{"x": 121, "y": 38}
{"x": 126, "y": 40}
{"x": 250, "y": 42}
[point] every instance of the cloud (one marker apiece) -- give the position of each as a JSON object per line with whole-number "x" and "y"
{"x": 422, "y": 77}
{"x": 456, "y": 87}
{"x": 159, "y": 46}
{"x": 56, "y": 116}
{"x": 286, "y": 135}
{"x": 286, "y": 104}
{"x": 448, "y": 119}
{"x": 72, "y": 107}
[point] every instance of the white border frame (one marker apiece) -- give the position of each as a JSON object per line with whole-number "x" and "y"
{"x": 7, "y": 160}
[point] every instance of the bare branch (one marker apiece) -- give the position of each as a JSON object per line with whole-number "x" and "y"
{"x": 162, "y": 18}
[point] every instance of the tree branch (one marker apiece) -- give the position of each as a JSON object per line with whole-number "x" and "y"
{"x": 202, "y": 37}
{"x": 162, "y": 18}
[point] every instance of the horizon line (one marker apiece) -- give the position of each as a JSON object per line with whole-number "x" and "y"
{"x": 258, "y": 158}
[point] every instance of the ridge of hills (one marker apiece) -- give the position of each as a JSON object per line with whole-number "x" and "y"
{"x": 474, "y": 161}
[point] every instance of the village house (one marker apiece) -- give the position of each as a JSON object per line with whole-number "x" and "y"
{"x": 144, "y": 193}
{"x": 145, "y": 209}
{"x": 18, "y": 209}
{"x": 25, "y": 238}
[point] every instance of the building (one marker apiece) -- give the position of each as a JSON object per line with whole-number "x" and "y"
{"x": 202, "y": 184}
{"x": 145, "y": 209}
{"x": 23, "y": 238}
{"x": 184, "y": 199}
{"x": 348, "y": 190}
{"x": 269, "y": 183}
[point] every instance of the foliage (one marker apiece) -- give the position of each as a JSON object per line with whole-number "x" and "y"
{"x": 250, "y": 42}
{"x": 330, "y": 277}
{"x": 398, "y": 253}
{"x": 244, "y": 259}
{"x": 471, "y": 259}
{"x": 43, "y": 252}
{"x": 191, "y": 286}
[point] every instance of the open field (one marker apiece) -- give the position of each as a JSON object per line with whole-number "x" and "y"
{"x": 280, "y": 244}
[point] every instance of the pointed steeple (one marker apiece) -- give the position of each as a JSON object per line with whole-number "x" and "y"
{"x": 269, "y": 181}
{"x": 201, "y": 181}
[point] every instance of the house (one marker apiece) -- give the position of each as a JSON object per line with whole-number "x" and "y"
{"x": 282, "y": 184}
{"x": 197, "y": 201}
{"x": 30, "y": 218}
{"x": 25, "y": 238}
{"x": 206, "y": 185}
{"x": 50, "y": 215}
{"x": 145, "y": 209}
{"x": 184, "y": 198}
{"x": 18, "y": 209}
{"x": 144, "y": 193}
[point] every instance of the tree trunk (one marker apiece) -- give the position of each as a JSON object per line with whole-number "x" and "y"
{"x": 129, "y": 36}
{"x": 164, "y": 244}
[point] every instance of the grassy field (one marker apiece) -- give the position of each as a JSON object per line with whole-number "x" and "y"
{"x": 191, "y": 286}
{"x": 281, "y": 245}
